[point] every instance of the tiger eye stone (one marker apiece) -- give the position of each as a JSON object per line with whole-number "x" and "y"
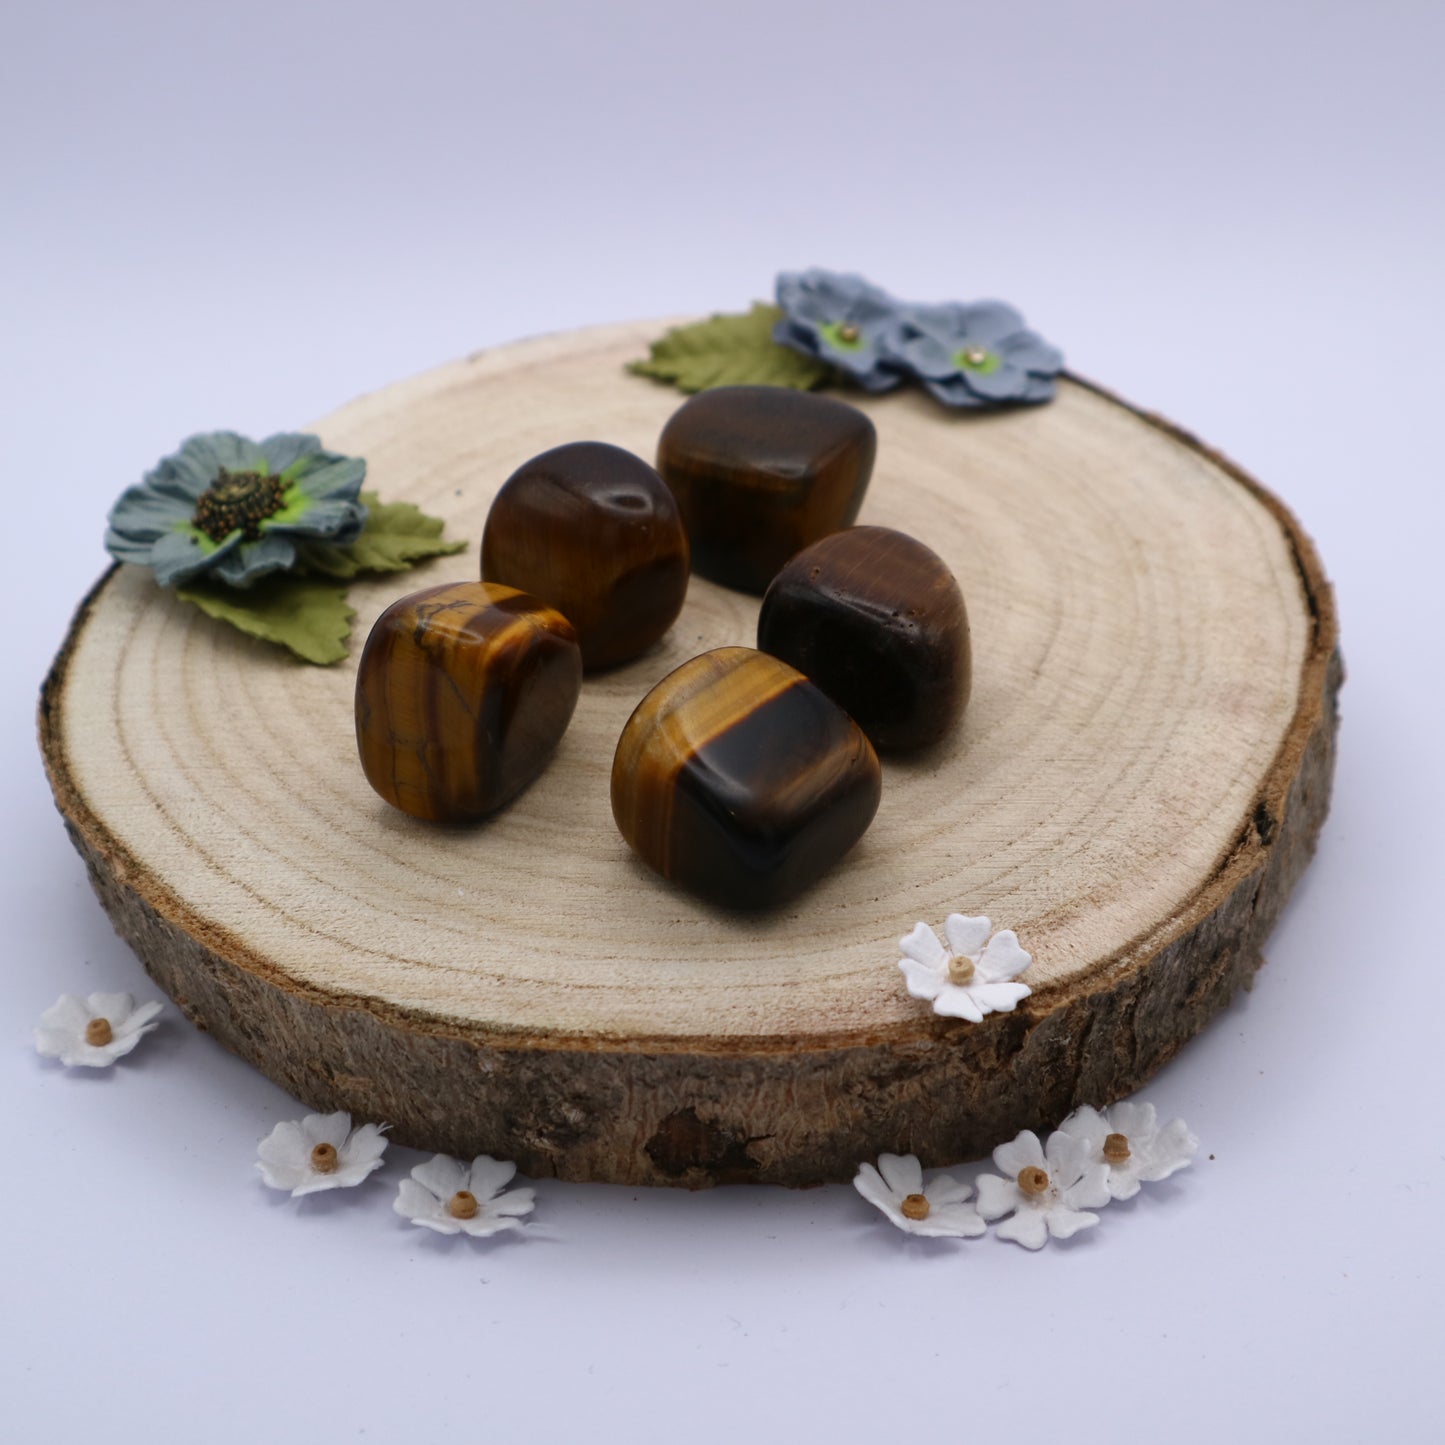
{"x": 739, "y": 780}
{"x": 876, "y": 620}
{"x": 760, "y": 472}
{"x": 592, "y": 530}
{"x": 462, "y": 695}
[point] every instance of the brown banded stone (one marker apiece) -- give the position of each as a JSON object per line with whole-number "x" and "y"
{"x": 760, "y": 472}
{"x": 739, "y": 780}
{"x": 877, "y": 620}
{"x": 462, "y": 695}
{"x": 592, "y": 530}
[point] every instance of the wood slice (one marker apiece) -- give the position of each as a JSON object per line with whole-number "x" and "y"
{"x": 1139, "y": 780}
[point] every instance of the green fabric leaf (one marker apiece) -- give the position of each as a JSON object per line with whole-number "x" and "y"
{"x": 396, "y": 536}
{"x": 302, "y": 613}
{"x": 731, "y": 351}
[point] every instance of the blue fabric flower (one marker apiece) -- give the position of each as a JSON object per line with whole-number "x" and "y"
{"x": 843, "y": 320}
{"x": 975, "y": 355}
{"x": 234, "y": 509}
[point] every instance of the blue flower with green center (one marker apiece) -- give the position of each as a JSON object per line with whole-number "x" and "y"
{"x": 843, "y": 320}
{"x": 234, "y": 509}
{"x": 975, "y": 355}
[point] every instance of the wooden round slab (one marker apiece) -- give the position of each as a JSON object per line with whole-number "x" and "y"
{"x": 1138, "y": 782}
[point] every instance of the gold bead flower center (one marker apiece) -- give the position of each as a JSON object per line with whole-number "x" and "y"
{"x": 324, "y": 1159}
{"x": 98, "y": 1033}
{"x": 848, "y": 332}
{"x": 960, "y": 970}
{"x": 1033, "y": 1181}
{"x": 915, "y": 1206}
{"x": 238, "y": 500}
{"x": 462, "y": 1205}
{"x": 1116, "y": 1148}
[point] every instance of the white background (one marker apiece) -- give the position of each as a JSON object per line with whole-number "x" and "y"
{"x": 242, "y": 216}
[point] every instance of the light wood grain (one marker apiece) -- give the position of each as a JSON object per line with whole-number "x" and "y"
{"x": 1139, "y": 778}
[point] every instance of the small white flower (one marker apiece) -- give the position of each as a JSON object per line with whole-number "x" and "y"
{"x": 451, "y": 1197}
{"x": 1129, "y": 1139}
{"x": 972, "y": 976}
{"x": 1047, "y": 1189}
{"x": 322, "y": 1151}
{"x": 937, "y": 1209}
{"x": 93, "y": 1031}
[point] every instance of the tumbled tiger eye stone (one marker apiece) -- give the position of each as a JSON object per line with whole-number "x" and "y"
{"x": 463, "y": 693}
{"x": 760, "y": 472}
{"x": 741, "y": 781}
{"x": 592, "y": 530}
{"x": 876, "y": 619}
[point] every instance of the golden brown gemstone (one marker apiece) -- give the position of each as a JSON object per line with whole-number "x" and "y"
{"x": 593, "y": 531}
{"x": 740, "y": 780}
{"x": 876, "y": 619}
{"x": 463, "y": 693}
{"x": 760, "y": 472}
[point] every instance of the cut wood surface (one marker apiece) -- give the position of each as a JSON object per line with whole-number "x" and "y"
{"x": 1138, "y": 781}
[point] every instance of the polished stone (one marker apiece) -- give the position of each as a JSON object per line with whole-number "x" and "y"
{"x": 760, "y": 472}
{"x": 876, "y": 619}
{"x": 462, "y": 695}
{"x": 739, "y": 780}
{"x": 592, "y": 530}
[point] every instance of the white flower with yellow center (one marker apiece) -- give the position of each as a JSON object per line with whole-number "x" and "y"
{"x": 321, "y": 1151}
{"x": 1048, "y": 1190}
{"x": 938, "y": 1209}
{"x": 93, "y": 1032}
{"x": 973, "y": 976}
{"x": 455, "y": 1198}
{"x": 1130, "y": 1140}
